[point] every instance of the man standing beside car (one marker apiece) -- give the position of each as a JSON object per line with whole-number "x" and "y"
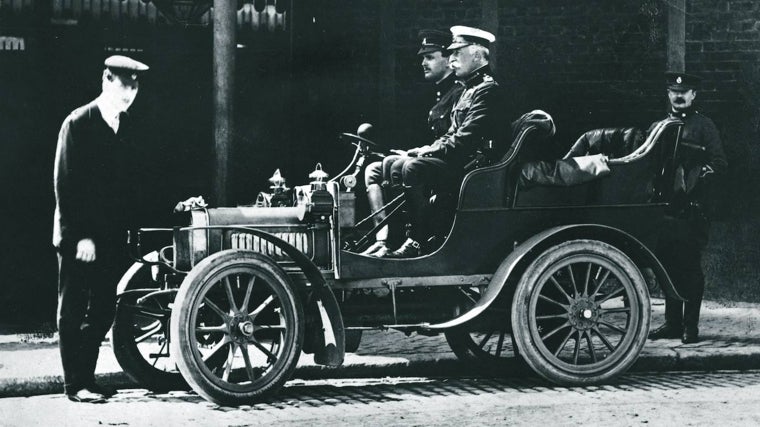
{"x": 93, "y": 182}
{"x": 478, "y": 125}
{"x": 684, "y": 237}
{"x": 380, "y": 176}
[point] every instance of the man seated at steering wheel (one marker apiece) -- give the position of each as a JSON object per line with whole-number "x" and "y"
{"x": 478, "y": 124}
{"x": 382, "y": 178}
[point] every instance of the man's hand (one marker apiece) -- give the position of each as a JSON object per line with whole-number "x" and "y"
{"x": 428, "y": 151}
{"x": 86, "y": 250}
{"x": 415, "y": 152}
{"x": 190, "y": 204}
{"x": 399, "y": 152}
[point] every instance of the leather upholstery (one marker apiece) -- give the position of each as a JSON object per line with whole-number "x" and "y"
{"x": 612, "y": 142}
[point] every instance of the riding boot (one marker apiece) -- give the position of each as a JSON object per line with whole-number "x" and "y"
{"x": 673, "y": 327}
{"x": 417, "y": 202}
{"x": 674, "y": 313}
{"x": 376, "y": 203}
{"x": 691, "y": 320}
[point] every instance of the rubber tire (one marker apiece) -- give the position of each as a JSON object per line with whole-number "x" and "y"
{"x": 467, "y": 350}
{"x": 521, "y": 304}
{"x": 353, "y": 339}
{"x": 127, "y": 354}
{"x": 182, "y": 330}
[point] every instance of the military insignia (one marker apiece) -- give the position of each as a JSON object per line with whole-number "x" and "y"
{"x": 487, "y": 78}
{"x": 424, "y": 41}
{"x": 679, "y": 80}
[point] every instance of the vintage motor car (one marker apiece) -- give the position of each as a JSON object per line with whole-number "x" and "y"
{"x": 543, "y": 261}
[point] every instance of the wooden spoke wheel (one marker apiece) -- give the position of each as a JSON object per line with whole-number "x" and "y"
{"x": 237, "y": 327}
{"x": 581, "y": 313}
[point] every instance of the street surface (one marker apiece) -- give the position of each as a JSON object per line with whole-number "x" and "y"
{"x": 670, "y": 399}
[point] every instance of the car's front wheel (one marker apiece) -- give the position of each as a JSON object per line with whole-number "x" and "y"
{"x": 237, "y": 327}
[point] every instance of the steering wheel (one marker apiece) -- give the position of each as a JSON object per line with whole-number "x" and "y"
{"x": 373, "y": 144}
{"x": 360, "y": 136}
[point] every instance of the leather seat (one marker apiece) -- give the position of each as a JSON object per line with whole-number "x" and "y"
{"x": 612, "y": 142}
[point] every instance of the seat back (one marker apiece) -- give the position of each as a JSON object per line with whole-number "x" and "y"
{"x": 638, "y": 171}
{"x": 612, "y": 142}
{"x": 488, "y": 187}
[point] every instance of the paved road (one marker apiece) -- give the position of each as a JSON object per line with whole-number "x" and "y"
{"x": 723, "y": 398}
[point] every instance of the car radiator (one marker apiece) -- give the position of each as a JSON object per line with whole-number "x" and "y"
{"x": 299, "y": 240}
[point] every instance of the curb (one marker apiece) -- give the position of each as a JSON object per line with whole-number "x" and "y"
{"x": 685, "y": 360}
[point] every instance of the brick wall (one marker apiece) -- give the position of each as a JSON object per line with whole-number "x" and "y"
{"x": 723, "y": 46}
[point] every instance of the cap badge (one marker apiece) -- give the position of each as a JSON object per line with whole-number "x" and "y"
{"x": 424, "y": 41}
{"x": 679, "y": 80}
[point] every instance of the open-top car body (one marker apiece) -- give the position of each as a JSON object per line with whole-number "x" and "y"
{"x": 554, "y": 274}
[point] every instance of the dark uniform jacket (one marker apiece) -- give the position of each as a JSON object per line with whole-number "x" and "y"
{"x": 700, "y": 159}
{"x": 477, "y": 121}
{"x": 447, "y": 92}
{"x": 92, "y": 180}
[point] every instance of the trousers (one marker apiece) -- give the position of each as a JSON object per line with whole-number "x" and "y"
{"x": 680, "y": 250}
{"x": 86, "y": 309}
{"x": 420, "y": 175}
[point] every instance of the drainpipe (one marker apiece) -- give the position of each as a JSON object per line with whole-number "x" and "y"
{"x": 676, "y": 35}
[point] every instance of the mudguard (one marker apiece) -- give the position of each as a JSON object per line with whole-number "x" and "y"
{"x": 320, "y": 300}
{"x": 137, "y": 271}
{"x": 640, "y": 254}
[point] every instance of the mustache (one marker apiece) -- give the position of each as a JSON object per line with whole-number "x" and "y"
{"x": 679, "y": 100}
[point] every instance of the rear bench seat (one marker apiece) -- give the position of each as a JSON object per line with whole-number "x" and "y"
{"x": 631, "y": 179}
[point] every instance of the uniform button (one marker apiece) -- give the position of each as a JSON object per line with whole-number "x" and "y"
{"x": 438, "y": 93}
{"x": 441, "y": 115}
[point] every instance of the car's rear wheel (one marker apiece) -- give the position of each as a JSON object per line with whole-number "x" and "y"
{"x": 237, "y": 327}
{"x": 581, "y": 313}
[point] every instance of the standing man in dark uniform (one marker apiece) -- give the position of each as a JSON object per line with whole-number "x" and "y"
{"x": 478, "y": 125}
{"x": 380, "y": 176}
{"x": 93, "y": 182}
{"x": 700, "y": 158}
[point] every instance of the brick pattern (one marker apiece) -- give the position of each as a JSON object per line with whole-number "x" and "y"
{"x": 723, "y": 45}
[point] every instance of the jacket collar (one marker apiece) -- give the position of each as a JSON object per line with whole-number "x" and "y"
{"x": 478, "y": 76}
{"x": 446, "y": 83}
{"x": 682, "y": 114}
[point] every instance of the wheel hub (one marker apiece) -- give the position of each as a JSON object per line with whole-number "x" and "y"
{"x": 241, "y": 328}
{"x": 584, "y": 314}
{"x": 246, "y": 328}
